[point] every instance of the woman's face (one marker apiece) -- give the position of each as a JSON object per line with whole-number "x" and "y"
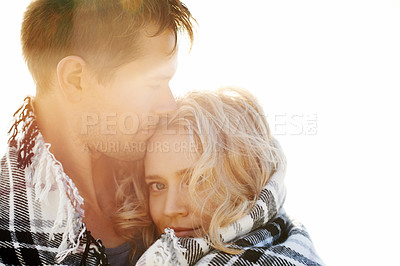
{"x": 169, "y": 157}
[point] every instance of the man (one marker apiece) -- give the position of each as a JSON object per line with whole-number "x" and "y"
{"x": 102, "y": 69}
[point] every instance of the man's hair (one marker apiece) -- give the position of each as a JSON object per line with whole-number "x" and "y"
{"x": 237, "y": 156}
{"x": 105, "y": 33}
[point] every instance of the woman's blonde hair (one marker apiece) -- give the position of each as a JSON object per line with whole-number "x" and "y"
{"x": 237, "y": 155}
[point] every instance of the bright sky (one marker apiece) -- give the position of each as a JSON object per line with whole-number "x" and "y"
{"x": 326, "y": 73}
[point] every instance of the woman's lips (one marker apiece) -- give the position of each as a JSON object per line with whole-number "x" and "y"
{"x": 184, "y": 231}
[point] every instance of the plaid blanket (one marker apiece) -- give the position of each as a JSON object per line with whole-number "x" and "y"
{"x": 266, "y": 234}
{"x": 40, "y": 207}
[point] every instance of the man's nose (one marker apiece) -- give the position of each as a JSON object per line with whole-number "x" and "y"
{"x": 165, "y": 102}
{"x": 175, "y": 204}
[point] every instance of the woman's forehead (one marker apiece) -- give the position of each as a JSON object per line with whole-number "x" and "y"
{"x": 171, "y": 143}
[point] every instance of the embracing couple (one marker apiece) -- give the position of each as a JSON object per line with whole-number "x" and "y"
{"x": 105, "y": 166}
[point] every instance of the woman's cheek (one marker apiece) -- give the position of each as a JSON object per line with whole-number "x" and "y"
{"x": 156, "y": 210}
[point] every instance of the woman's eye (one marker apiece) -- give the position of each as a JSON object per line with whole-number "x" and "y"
{"x": 156, "y": 186}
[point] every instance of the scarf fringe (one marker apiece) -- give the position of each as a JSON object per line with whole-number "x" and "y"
{"x": 166, "y": 251}
{"x": 44, "y": 172}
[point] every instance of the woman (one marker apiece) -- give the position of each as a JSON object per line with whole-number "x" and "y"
{"x": 214, "y": 187}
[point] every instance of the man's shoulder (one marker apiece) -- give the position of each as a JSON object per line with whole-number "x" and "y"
{"x": 16, "y": 226}
{"x": 27, "y": 234}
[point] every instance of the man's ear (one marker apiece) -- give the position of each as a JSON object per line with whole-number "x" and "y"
{"x": 69, "y": 74}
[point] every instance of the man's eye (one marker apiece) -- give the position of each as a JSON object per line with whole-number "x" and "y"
{"x": 156, "y": 186}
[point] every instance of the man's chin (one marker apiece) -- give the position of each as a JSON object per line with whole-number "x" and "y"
{"x": 127, "y": 152}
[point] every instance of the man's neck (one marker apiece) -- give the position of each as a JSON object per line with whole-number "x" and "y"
{"x": 56, "y": 129}
{"x": 92, "y": 175}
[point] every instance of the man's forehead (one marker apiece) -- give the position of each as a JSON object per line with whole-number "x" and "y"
{"x": 151, "y": 67}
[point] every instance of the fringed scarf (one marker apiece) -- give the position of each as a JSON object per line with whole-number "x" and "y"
{"x": 41, "y": 209}
{"x": 266, "y": 235}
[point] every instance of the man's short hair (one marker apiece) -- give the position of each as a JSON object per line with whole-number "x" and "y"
{"x": 105, "y": 33}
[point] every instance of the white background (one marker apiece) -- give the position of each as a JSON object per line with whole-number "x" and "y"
{"x": 336, "y": 63}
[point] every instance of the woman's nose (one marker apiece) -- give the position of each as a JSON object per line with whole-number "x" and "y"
{"x": 176, "y": 204}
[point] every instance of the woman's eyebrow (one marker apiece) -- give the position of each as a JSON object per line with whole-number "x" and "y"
{"x": 152, "y": 177}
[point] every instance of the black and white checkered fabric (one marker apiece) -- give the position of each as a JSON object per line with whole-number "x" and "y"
{"x": 267, "y": 236}
{"x": 40, "y": 207}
